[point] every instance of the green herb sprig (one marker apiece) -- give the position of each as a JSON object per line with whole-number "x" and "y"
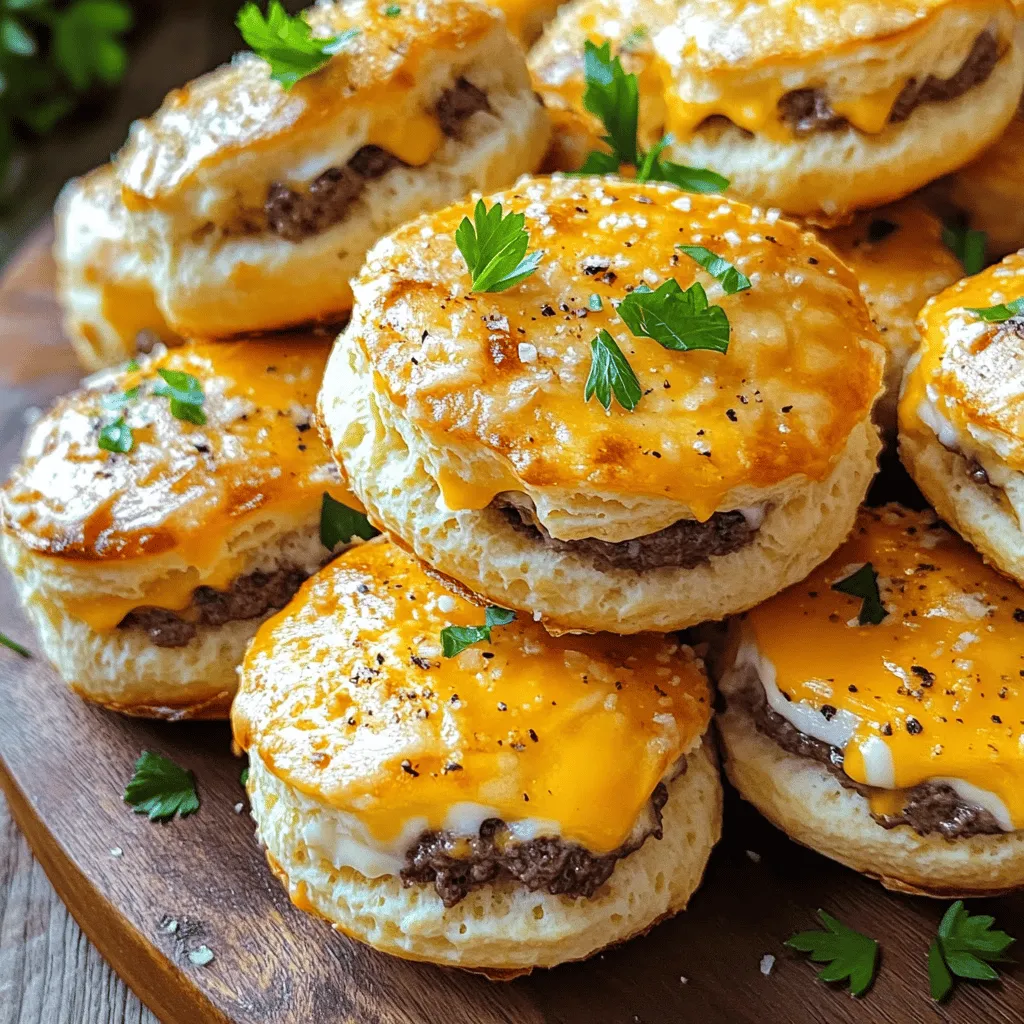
{"x": 494, "y": 247}
{"x": 286, "y": 43}
{"x": 965, "y": 947}
{"x": 967, "y": 245}
{"x": 13, "y": 645}
{"x": 850, "y": 956}
{"x": 185, "y": 393}
{"x": 611, "y": 374}
{"x": 455, "y": 639}
{"x": 1001, "y": 313}
{"x": 864, "y": 584}
{"x": 676, "y": 319}
{"x": 339, "y": 523}
{"x": 161, "y": 789}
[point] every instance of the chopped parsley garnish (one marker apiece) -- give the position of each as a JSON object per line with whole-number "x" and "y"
{"x": 967, "y": 246}
{"x": 494, "y": 248}
{"x": 611, "y": 374}
{"x": 455, "y": 639}
{"x": 965, "y": 947}
{"x": 339, "y": 523}
{"x": 731, "y": 280}
{"x": 864, "y": 584}
{"x": 392, "y": 11}
{"x": 116, "y": 437}
{"x": 244, "y": 777}
{"x": 13, "y": 645}
{"x": 633, "y": 39}
{"x": 851, "y": 957}
{"x": 676, "y": 319}
{"x": 185, "y": 393}
{"x": 286, "y": 43}
{"x": 614, "y": 97}
{"x": 594, "y": 303}
{"x": 1001, "y": 313}
{"x": 161, "y": 789}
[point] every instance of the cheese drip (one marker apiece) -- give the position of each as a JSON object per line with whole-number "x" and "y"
{"x": 936, "y": 691}
{"x": 347, "y": 697}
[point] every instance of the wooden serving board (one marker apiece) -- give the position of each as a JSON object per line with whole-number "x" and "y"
{"x": 64, "y": 764}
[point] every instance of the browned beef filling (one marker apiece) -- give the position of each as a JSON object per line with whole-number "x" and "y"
{"x": 932, "y": 807}
{"x": 682, "y": 545}
{"x": 248, "y": 597}
{"x": 809, "y": 110}
{"x": 298, "y": 215}
{"x": 455, "y": 866}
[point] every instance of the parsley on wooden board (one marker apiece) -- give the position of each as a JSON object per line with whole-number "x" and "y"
{"x": 965, "y": 947}
{"x": 850, "y": 956}
{"x": 13, "y": 645}
{"x": 286, "y": 42}
{"x": 610, "y": 374}
{"x": 494, "y": 248}
{"x": 864, "y": 584}
{"x": 1001, "y": 313}
{"x": 614, "y": 98}
{"x": 455, "y": 639}
{"x": 339, "y": 523}
{"x": 161, "y": 789}
{"x": 676, "y": 319}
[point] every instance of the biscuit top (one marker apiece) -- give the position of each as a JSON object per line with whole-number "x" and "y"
{"x": 998, "y": 168}
{"x": 971, "y": 372}
{"x": 183, "y": 489}
{"x": 370, "y": 88}
{"x": 345, "y": 695}
{"x": 503, "y": 374}
{"x": 936, "y": 690}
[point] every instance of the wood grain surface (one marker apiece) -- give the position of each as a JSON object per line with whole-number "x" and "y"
{"x": 64, "y": 766}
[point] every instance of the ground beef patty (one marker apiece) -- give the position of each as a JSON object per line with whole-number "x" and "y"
{"x": 809, "y": 110}
{"x": 457, "y": 865}
{"x": 248, "y": 597}
{"x": 930, "y": 808}
{"x": 682, "y": 545}
{"x": 298, "y": 215}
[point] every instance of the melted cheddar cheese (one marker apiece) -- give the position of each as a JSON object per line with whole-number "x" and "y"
{"x": 503, "y": 374}
{"x": 371, "y": 93}
{"x": 939, "y": 683}
{"x": 345, "y": 695}
{"x": 969, "y": 378}
{"x": 526, "y": 18}
{"x": 184, "y": 491}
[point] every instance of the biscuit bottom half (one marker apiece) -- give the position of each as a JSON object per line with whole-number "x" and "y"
{"x": 500, "y": 929}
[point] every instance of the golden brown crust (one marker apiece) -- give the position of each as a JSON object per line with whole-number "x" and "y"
{"x": 782, "y": 402}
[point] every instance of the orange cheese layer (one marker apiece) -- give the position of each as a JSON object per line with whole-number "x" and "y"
{"x": 940, "y": 681}
{"x": 374, "y": 85}
{"x": 970, "y": 371}
{"x": 346, "y": 696}
{"x": 802, "y": 370}
{"x": 183, "y": 490}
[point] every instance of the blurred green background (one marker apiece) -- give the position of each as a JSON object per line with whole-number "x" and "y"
{"x": 61, "y": 114}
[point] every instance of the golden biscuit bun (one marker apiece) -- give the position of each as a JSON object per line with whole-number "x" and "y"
{"x": 102, "y": 276}
{"x": 989, "y": 190}
{"x": 901, "y": 261}
{"x": 809, "y": 107}
{"x": 437, "y": 400}
{"x": 262, "y": 202}
{"x": 891, "y": 743}
{"x": 92, "y": 536}
{"x": 526, "y": 18}
{"x": 960, "y": 414}
{"x": 365, "y": 739}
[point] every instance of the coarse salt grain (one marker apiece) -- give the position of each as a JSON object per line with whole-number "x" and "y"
{"x": 767, "y": 963}
{"x": 446, "y": 603}
{"x": 527, "y": 352}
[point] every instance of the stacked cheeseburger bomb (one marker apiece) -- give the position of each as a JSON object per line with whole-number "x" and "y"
{"x": 584, "y": 413}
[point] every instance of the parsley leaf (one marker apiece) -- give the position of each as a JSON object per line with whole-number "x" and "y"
{"x": 243, "y": 778}
{"x": 1001, "y": 313}
{"x": 610, "y": 373}
{"x": 392, "y": 11}
{"x": 967, "y": 246}
{"x": 339, "y": 523}
{"x": 634, "y": 38}
{"x": 494, "y": 248}
{"x": 85, "y": 42}
{"x": 286, "y": 43}
{"x": 161, "y": 789}
{"x": 185, "y": 393}
{"x": 614, "y": 97}
{"x": 676, "y": 319}
{"x": 117, "y": 437}
{"x": 965, "y": 947}
{"x": 455, "y": 639}
{"x": 13, "y": 645}
{"x": 850, "y": 956}
{"x": 864, "y": 584}
{"x": 721, "y": 270}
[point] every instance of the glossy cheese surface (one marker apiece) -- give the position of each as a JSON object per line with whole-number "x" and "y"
{"x": 970, "y": 371}
{"x": 940, "y": 682}
{"x": 183, "y": 489}
{"x": 345, "y": 695}
{"x": 372, "y": 85}
{"x": 802, "y": 370}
